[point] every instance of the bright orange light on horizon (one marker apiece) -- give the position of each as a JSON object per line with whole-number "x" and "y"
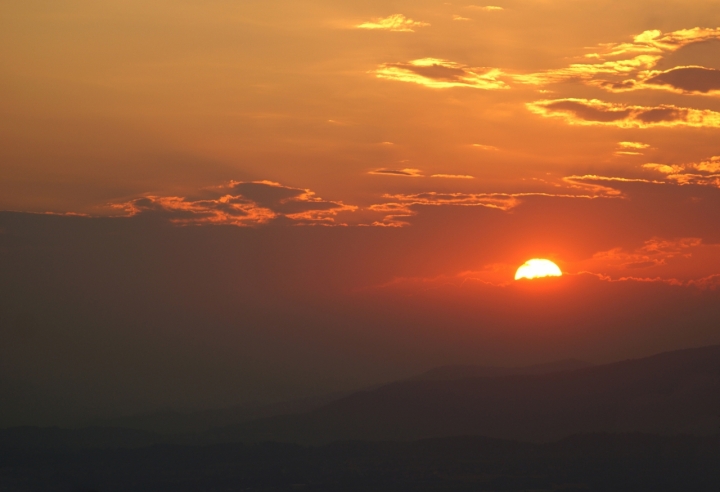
{"x": 537, "y": 268}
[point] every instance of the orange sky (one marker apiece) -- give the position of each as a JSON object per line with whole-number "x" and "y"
{"x": 451, "y": 142}
{"x": 363, "y": 105}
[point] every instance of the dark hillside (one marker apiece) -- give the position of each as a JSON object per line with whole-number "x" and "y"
{"x": 675, "y": 392}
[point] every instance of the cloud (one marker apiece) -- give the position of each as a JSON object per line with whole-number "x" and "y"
{"x": 490, "y": 200}
{"x": 410, "y": 173}
{"x": 633, "y": 145}
{"x": 441, "y": 74}
{"x": 499, "y": 201}
{"x": 654, "y": 41}
{"x": 595, "y": 112}
{"x": 485, "y": 147}
{"x": 687, "y": 80}
{"x": 630, "y": 148}
{"x": 602, "y": 186}
{"x": 628, "y": 66}
{"x": 240, "y": 204}
{"x": 588, "y": 71}
{"x": 619, "y": 67}
{"x": 705, "y": 173}
{"x": 488, "y": 8}
{"x": 395, "y": 22}
{"x": 654, "y": 252}
{"x": 460, "y": 18}
{"x": 395, "y": 214}
{"x": 453, "y": 176}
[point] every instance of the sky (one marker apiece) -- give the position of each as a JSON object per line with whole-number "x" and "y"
{"x": 210, "y": 203}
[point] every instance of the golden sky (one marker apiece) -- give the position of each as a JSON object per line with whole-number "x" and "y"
{"x": 356, "y": 113}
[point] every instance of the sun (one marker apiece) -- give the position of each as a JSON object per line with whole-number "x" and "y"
{"x": 537, "y": 268}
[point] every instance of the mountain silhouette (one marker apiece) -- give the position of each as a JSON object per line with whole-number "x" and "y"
{"x": 670, "y": 393}
{"x": 446, "y": 373}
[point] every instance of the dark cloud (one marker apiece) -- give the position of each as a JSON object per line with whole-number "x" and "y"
{"x": 586, "y": 112}
{"x": 435, "y": 71}
{"x": 264, "y": 193}
{"x": 412, "y": 173}
{"x": 658, "y": 115}
{"x": 442, "y": 74}
{"x": 688, "y": 79}
{"x": 595, "y": 112}
{"x": 625, "y": 85}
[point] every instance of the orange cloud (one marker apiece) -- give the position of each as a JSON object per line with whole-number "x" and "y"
{"x": 460, "y": 18}
{"x": 633, "y": 145}
{"x": 498, "y": 200}
{"x": 706, "y": 173}
{"x": 453, "y": 176}
{"x": 395, "y": 22}
{"x": 629, "y": 65}
{"x": 600, "y": 186}
{"x": 654, "y": 252}
{"x": 239, "y": 204}
{"x": 488, "y": 8}
{"x": 595, "y": 112}
{"x": 485, "y": 147}
{"x": 630, "y": 148}
{"x": 654, "y": 41}
{"x": 441, "y": 74}
{"x": 588, "y": 71}
{"x": 409, "y": 173}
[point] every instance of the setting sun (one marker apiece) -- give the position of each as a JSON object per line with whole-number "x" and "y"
{"x": 537, "y": 268}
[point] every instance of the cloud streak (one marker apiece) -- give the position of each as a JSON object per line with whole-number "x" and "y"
{"x": 436, "y": 73}
{"x": 705, "y": 173}
{"x": 453, "y": 176}
{"x": 488, "y": 8}
{"x": 395, "y": 22}
{"x": 596, "y": 112}
{"x": 630, "y": 148}
{"x": 408, "y": 172}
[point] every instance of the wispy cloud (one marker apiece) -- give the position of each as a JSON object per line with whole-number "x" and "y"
{"x": 595, "y": 112}
{"x": 395, "y": 22}
{"x": 631, "y": 148}
{"x": 628, "y": 66}
{"x": 705, "y": 173}
{"x": 587, "y": 72}
{"x": 654, "y": 41}
{"x": 453, "y": 176}
{"x": 441, "y": 74}
{"x": 409, "y": 173}
{"x": 601, "y": 186}
{"x": 416, "y": 173}
{"x": 633, "y": 145}
{"x": 616, "y": 67}
{"x": 460, "y": 18}
{"x": 488, "y": 8}
{"x": 654, "y": 252}
{"x": 498, "y": 201}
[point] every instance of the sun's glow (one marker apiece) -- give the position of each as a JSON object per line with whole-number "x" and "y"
{"x": 537, "y": 268}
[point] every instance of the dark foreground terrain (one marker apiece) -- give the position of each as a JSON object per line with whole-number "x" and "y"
{"x": 648, "y": 424}
{"x": 597, "y": 462}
